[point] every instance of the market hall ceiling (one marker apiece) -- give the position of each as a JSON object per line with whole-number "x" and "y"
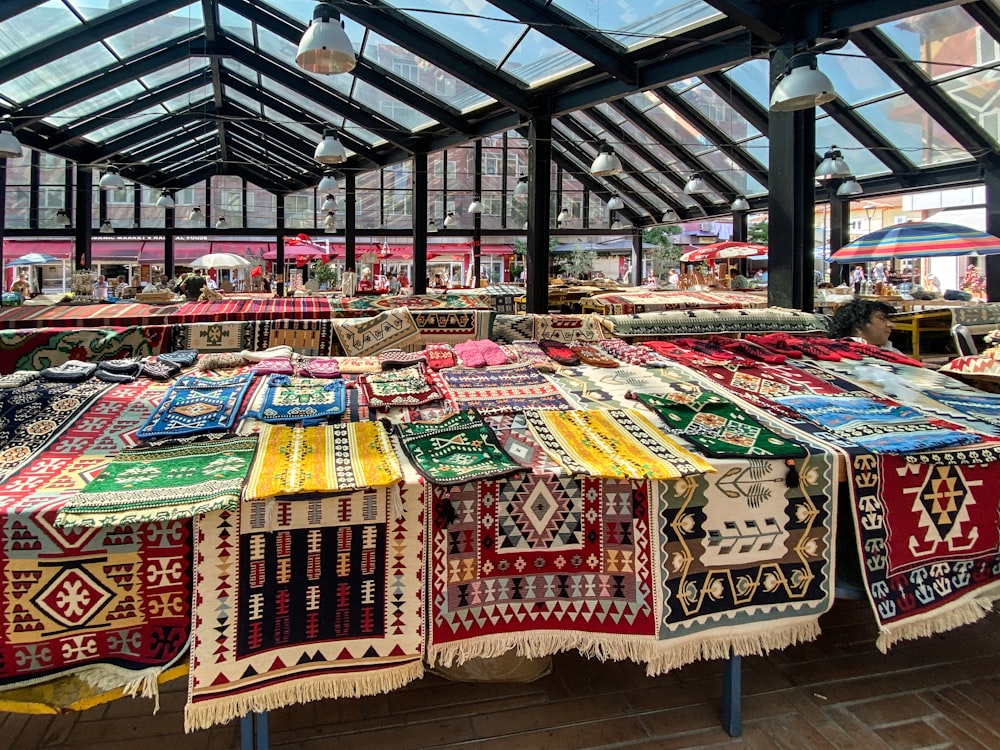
{"x": 175, "y": 91}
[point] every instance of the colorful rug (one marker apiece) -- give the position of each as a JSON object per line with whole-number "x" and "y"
{"x": 627, "y": 303}
{"x": 111, "y": 605}
{"x": 309, "y": 337}
{"x": 227, "y": 336}
{"x": 567, "y": 328}
{"x": 454, "y": 326}
{"x": 928, "y": 539}
{"x": 612, "y": 443}
{"x": 163, "y": 484}
{"x": 289, "y": 399}
{"x": 392, "y": 329}
{"x": 409, "y": 386}
{"x": 503, "y": 389}
{"x": 347, "y": 623}
{"x": 36, "y": 349}
{"x": 330, "y": 458}
{"x": 877, "y": 426}
{"x": 456, "y": 449}
{"x": 195, "y": 404}
{"x": 704, "y": 322}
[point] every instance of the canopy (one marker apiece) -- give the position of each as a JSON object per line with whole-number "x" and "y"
{"x": 724, "y": 250}
{"x": 220, "y": 260}
{"x": 35, "y": 259}
{"x": 918, "y": 239}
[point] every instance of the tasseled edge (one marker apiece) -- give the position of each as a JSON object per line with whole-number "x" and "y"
{"x": 953, "y": 617}
{"x": 792, "y": 477}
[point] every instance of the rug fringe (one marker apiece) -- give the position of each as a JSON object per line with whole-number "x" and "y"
{"x": 144, "y": 683}
{"x": 658, "y": 656}
{"x": 965, "y": 613}
{"x": 212, "y": 711}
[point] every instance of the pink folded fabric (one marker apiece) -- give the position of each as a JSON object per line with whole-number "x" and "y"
{"x": 274, "y": 366}
{"x": 492, "y": 352}
{"x": 321, "y": 367}
{"x": 471, "y": 354}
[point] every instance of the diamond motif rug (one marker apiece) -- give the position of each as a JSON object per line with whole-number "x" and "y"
{"x": 290, "y": 399}
{"x": 323, "y": 602}
{"x": 456, "y": 449}
{"x": 613, "y": 443}
{"x": 161, "y": 484}
{"x": 194, "y": 405}
{"x": 409, "y": 386}
{"x": 928, "y": 539}
{"x": 502, "y": 390}
{"x": 328, "y": 458}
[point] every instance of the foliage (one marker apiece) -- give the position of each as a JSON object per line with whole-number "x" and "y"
{"x": 580, "y": 262}
{"x": 666, "y": 255}
{"x": 325, "y": 273}
{"x": 757, "y": 233}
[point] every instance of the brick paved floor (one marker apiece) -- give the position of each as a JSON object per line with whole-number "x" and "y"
{"x": 837, "y": 692}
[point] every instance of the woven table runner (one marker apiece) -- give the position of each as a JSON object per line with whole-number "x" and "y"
{"x": 195, "y": 404}
{"x": 161, "y": 484}
{"x": 613, "y": 443}
{"x": 319, "y": 599}
{"x": 409, "y": 386}
{"x": 502, "y": 390}
{"x": 458, "y": 448}
{"x": 291, "y": 399}
{"x": 328, "y": 458}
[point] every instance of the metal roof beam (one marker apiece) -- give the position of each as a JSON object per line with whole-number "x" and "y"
{"x": 759, "y": 17}
{"x": 11, "y": 8}
{"x": 883, "y": 150}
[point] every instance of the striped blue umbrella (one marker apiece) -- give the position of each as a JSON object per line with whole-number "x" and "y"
{"x": 917, "y": 239}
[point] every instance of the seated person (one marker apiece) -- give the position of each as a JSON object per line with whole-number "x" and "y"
{"x": 365, "y": 284}
{"x": 394, "y": 286}
{"x": 738, "y": 280}
{"x": 121, "y": 287}
{"x": 100, "y": 288}
{"x": 864, "y": 320}
{"x": 22, "y": 286}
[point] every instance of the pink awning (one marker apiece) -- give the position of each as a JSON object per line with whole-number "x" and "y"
{"x": 14, "y": 248}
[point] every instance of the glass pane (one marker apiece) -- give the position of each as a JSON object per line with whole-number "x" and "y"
{"x": 491, "y": 34}
{"x": 240, "y": 98}
{"x": 979, "y": 95}
{"x": 157, "y": 32}
{"x": 943, "y": 36}
{"x": 759, "y": 149}
{"x": 753, "y": 76}
{"x": 90, "y": 9}
{"x": 34, "y": 25}
{"x": 855, "y": 77}
{"x": 388, "y": 106}
{"x": 185, "y": 100}
{"x": 58, "y": 73}
{"x": 67, "y": 115}
{"x": 916, "y": 134}
{"x": 715, "y": 109}
{"x": 861, "y": 161}
{"x": 671, "y": 123}
{"x": 124, "y": 125}
{"x": 172, "y": 72}
{"x": 624, "y": 22}
{"x": 537, "y": 59}
{"x": 723, "y": 167}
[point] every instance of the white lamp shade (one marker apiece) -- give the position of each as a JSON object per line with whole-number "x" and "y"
{"x": 106, "y": 228}
{"x": 330, "y": 150}
{"x": 525, "y": 225}
{"x": 62, "y": 217}
{"x": 850, "y": 187}
{"x": 616, "y": 203}
{"x": 329, "y": 202}
{"x": 328, "y": 183}
{"x": 431, "y": 227}
{"x": 606, "y": 163}
{"x": 112, "y": 180}
{"x": 740, "y": 204}
{"x": 195, "y": 214}
{"x": 669, "y": 216}
{"x": 564, "y": 215}
{"x": 521, "y": 188}
{"x": 10, "y": 147}
{"x": 221, "y": 223}
{"x": 617, "y": 225}
{"x": 165, "y": 200}
{"x": 802, "y": 87}
{"x": 325, "y": 47}
{"x": 476, "y": 207}
{"x": 450, "y": 220}
{"x": 833, "y": 166}
{"x": 695, "y": 185}
{"x": 330, "y": 222}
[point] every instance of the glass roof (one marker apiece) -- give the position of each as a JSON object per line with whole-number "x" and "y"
{"x": 134, "y": 81}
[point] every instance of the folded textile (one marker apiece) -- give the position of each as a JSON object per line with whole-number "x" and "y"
{"x": 502, "y": 390}
{"x": 358, "y": 365}
{"x": 274, "y": 352}
{"x": 158, "y": 369}
{"x": 327, "y": 458}
{"x": 440, "y": 355}
{"x": 143, "y": 485}
{"x": 120, "y": 366}
{"x": 470, "y": 354}
{"x": 221, "y": 361}
{"x": 633, "y": 354}
{"x": 396, "y": 359}
{"x": 560, "y": 352}
{"x": 406, "y": 387}
{"x": 456, "y": 449}
{"x": 70, "y": 371}
{"x": 289, "y": 399}
{"x": 320, "y": 367}
{"x": 591, "y": 355}
{"x": 182, "y": 357}
{"x": 275, "y": 366}
{"x": 18, "y": 378}
{"x": 531, "y": 353}
{"x": 196, "y": 404}
{"x": 613, "y": 443}
{"x": 109, "y": 376}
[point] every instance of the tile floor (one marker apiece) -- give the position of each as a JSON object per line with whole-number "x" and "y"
{"x": 837, "y": 692}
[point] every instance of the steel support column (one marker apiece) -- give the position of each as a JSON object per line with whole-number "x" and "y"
{"x": 539, "y": 213}
{"x": 477, "y": 219}
{"x": 279, "y": 287}
{"x": 84, "y": 217}
{"x": 419, "y": 281}
{"x": 991, "y": 176}
{"x": 739, "y": 226}
{"x": 350, "y": 221}
{"x": 840, "y": 233}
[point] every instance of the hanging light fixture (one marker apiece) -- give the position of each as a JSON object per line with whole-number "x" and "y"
{"x": 165, "y": 200}
{"x": 564, "y": 215}
{"x": 62, "y": 217}
{"x": 849, "y": 187}
{"x": 325, "y": 47}
{"x": 476, "y": 207}
{"x": 432, "y": 227}
{"x": 616, "y": 203}
{"x": 450, "y": 220}
{"x": 106, "y": 228}
{"x": 606, "y": 163}
{"x": 521, "y": 188}
{"x": 833, "y": 166}
{"x": 670, "y": 217}
{"x": 740, "y": 204}
{"x": 525, "y": 225}
{"x": 112, "y": 180}
{"x": 330, "y": 150}
{"x": 329, "y": 202}
{"x": 221, "y": 223}
{"x": 616, "y": 225}
{"x": 695, "y": 185}
{"x": 330, "y": 222}
{"x": 195, "y": 214}
{"x": 329, "y": 182}
{"x": 10, "y": 147}
{"x": 802, "y": 86}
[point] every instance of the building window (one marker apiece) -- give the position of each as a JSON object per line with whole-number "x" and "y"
{"x": 492, "y": 162}
{"x": 406, "y": 69}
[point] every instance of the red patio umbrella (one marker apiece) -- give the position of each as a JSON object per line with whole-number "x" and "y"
{"x": 723, "y": 251}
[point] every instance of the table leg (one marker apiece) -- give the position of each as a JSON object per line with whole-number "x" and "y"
{"x": 254, "y": 731}
{"x": 732, "y": 713}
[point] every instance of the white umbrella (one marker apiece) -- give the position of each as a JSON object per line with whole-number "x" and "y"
{"x": 221, "y": 260}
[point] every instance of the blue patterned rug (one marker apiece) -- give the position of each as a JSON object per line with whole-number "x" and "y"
{"x": 195, "y": 405}
{"x": 306, "y": 400}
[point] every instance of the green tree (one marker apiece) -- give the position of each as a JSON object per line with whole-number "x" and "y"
{"x": 666, "y": 254}
{"x": 580, "y": 262}
{"x": 758, "y": 233}
{"x": 325, "y": 273}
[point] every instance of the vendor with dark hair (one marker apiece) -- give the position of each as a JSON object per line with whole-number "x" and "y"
{"x": 864, "y": 320}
